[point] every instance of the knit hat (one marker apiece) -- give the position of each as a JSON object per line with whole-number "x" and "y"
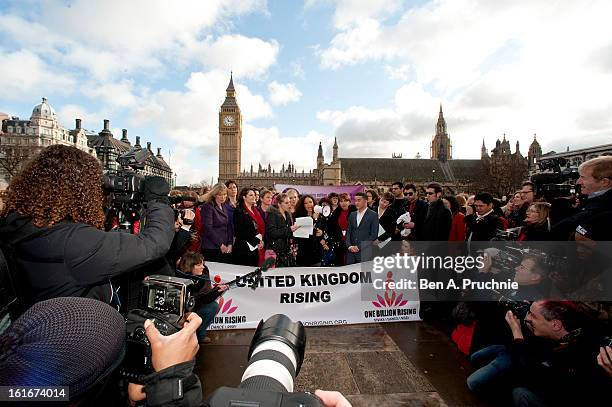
{"x": 71, "y": 342}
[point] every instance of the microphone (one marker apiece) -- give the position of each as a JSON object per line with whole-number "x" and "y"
{"x": 268, "y": 263}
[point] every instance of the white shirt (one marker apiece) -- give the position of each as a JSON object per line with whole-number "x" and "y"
{"x": 360, "y": 215}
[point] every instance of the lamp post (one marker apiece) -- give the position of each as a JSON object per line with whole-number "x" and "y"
{"x": 433, "y": 175}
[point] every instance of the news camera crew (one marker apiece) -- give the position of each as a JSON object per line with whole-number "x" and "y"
{"x": 54, "y": 218}
{"x": 596, "y": 183}
{"x": 279, "y": 231}
{"x": 192, "y": 266}
{"x": 556, "y": 365}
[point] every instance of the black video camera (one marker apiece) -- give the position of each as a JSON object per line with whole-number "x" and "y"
{"x": 125, "y": 190}
{"x": 165, "y": 300}
{"x": 556, "y": 179}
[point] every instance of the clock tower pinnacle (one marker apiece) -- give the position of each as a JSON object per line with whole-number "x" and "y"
{"x": 230, "y": 135}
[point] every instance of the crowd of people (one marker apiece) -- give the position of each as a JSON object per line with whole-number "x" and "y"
{"x": 539, "y": 351}
{"x": 539, "y": 345}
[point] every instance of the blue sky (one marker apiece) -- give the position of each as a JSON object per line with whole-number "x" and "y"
{"x": 370, "y": 73}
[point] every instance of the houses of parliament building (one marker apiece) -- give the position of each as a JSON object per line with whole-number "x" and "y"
{"x": 454, "y": 174}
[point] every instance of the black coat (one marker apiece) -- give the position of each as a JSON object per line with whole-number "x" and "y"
{"x": 278, "y": 235}
{"x": 483, "y": 229}
{"x": 563, "y": 229}
{"x": 73, "y": 259}
{"x": 388, "y": 222}
{"x": 399, "y": 206}
{"x": 437, "y": 224}
{"x": 535, "y": 233}
{"x": 308, "y": 249}
{"x": 417, "y": 215}
{"x": 245, "y": 230}
{"x": 333, "y": 228}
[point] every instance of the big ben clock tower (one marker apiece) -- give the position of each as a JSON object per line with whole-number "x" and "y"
{"x": 230, "y": 135}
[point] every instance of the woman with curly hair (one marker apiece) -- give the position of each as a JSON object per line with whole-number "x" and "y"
{"x": 54, "y": 219}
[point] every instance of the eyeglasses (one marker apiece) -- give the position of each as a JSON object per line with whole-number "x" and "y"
{"x": 525, "y": 192}
{"x": 430, "y": 193}
{"x": 409, "y": 193}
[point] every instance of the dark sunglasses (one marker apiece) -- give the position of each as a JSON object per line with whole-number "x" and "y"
{"x": 409, "y": 193}
{"x": 431, "y": 193}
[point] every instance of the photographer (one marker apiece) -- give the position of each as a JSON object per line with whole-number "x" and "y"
{"x": 54, "y": 219}
{"x": 558, "y": 365}
{"x": 192, "y": 266}
{"x": 596, "y": 183}
{"x": 184, "y": 220}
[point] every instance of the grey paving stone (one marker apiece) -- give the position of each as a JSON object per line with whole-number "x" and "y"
{"x": 385, "y": 372}
{"x": 431, "y": 399}
{"x": 349, "y": 338}
{"x": 328, "y": 372}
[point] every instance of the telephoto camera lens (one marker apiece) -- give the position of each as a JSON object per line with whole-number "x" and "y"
{"x": 275, "y": 356}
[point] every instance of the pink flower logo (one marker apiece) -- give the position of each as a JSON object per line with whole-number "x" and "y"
{"x": 390, "y": 301}
{"x": 226, "y": 307}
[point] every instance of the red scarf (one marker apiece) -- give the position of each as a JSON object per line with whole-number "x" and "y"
{"x": 261, "y": 228}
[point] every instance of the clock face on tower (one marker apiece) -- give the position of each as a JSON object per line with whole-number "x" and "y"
{"x": 228, "y": 121}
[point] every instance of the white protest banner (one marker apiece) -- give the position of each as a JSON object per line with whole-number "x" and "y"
{"x": 314, "y": 295}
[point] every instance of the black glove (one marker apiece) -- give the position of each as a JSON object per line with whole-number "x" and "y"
{"x": 156, "y": 189}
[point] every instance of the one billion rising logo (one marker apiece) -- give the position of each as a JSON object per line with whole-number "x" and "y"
{"x": 226, "y": 307}
{"x": 391, "y": 298}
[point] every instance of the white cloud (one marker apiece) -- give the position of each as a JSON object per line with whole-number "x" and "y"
{"x": 116, "y": 95}
{"x": 89, "y": 120}
{"x": 135, "y": 35}
{"x": 267, "y": 146}
{"x": 400, "y": 72}
{"x": 354, "y": 12}
{"x": 497, "y": 67}
{"x": 247, "y": 57}
{"x": 24, "y": 76}
{"x": 281, "y": 94}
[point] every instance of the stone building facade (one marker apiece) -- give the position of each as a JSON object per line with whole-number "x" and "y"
{"x": 21, "y": 139}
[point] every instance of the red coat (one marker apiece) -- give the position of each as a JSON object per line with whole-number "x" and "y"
{"x": 194, "y": 246}
{"x": 457, "y": 232}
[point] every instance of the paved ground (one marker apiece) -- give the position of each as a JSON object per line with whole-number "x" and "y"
{"x": 392, "y": 364}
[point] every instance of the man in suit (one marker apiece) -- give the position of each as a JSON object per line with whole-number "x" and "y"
{"x": 418, "y": 212}
{"x": 483, "y": 224}
{"x": 437, "y": 224}
{"x": 362, "y": 230}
